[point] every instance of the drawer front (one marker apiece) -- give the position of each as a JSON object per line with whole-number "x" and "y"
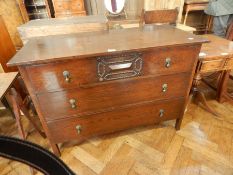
{"x": 95, "y": 98}
{"x": 49, "y": 77}
{"x": 182, "y": 59}
{"x": 107, "y": 122}
{"x": 70, "y": 13}
{"x": 77, "y": 5}
{"x": 61, "y": 6}
{"x": 210, "y": 66}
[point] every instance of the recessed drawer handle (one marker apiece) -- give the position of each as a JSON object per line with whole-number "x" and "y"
{"x": 161, "y": 113}
{"x": 164, "y": 87}
{"x": 66, "y": 75}
{"x": 79, "y": 129}
{"x": 73, "y": 103}
{"x": 120, "y": 66}
{"x": 168, "y": 62}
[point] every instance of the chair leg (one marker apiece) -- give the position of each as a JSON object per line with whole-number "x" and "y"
{"x": 185, "y": 17}
{"x": 17, "y": 106}
{"x": 8, "y": 106}
{"x": 18, "y": 119}
{"x": 26, "y": 113}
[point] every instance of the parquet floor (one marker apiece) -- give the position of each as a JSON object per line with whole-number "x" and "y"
{"x": 203, "y": 146}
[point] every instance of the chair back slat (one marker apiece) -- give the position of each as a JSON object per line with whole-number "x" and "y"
{"x": 159, "y": 16}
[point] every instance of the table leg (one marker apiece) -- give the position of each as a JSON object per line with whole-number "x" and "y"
{"x": 199, "y": 96}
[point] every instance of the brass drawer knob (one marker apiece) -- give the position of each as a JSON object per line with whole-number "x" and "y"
{"x": 161, "y": 113}
{"x": 66, "y": 75}
{"x": 168, "y": 62}
{"x": 79, "y": 129}
{"x": 73, "y": 103}
{"x": 164, "y": 87}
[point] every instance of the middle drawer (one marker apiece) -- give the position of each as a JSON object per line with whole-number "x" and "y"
{"x": 111, "y": 95}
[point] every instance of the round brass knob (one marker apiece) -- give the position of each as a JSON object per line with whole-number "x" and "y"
{"x": 164, "y": 87}
{"x": 73, "y": 103}
{"x": 168, "y": 62}
{"x": 161, "y": 113}
{"x": 79, "y": 129}
{"x": 66, "y": 75}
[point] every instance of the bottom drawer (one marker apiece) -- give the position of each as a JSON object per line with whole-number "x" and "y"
{"x": 137, "y": 115}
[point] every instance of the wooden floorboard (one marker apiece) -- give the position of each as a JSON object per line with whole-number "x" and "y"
{"x": 203, "y": 146}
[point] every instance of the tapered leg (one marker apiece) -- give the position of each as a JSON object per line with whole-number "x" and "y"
{"x": 26, "y": 113}
{"x": 19, "y": 105}
{"x": 55, "y": 149}
{"x": 18, "y": 122}
{"x": 7, "y": 105}
{"x": 178, "y": 123}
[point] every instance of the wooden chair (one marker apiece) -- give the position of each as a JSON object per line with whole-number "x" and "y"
{"x": 18, "y": 106}
{"x": 12, "y": 99}
{"x": 168, "y": 16}
{"x": 197, "y": 5}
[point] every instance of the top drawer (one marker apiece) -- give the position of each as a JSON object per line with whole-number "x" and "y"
{"x": 72, "y": 5}
{"x": 73, "y": 73}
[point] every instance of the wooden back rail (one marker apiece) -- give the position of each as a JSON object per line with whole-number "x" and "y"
{"x": 159, "y": 16}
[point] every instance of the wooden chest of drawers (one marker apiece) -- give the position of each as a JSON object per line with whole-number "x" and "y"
{"x": 101, "y": 82}
{"x": 66, "y": 8}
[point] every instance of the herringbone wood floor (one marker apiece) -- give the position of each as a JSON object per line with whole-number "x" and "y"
{"x": 203, "y": 146}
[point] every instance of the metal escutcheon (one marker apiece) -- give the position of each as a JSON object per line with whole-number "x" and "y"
{"x": 66, "y": 75}
{"x": 73, "y": 103}
{"x": 164, "y": 87}
{"x": 79, "y": 128}
{"x": 161, "y": 113}
{"x": 168, "y": 62}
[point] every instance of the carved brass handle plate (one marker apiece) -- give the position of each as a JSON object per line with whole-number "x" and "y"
{"x": 66, "y": 75}
{"x": 167, "y": 62}
{"x": 161, "y": 113}
{"x": 79, "y": 129}
{"x": 164, "y": 87}
{"x": 119, "y": 66}
{"x": 73, "y": 103}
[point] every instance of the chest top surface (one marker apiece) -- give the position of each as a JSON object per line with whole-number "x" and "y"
{"x": 60, "y": 47}
{"x": 217, "y": 48}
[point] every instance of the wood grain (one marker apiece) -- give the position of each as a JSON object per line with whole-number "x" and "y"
{"x": 153, "y": 65}
{"x": 95, "y": 99}
{"x": 52, "y": 48}
{"x": 61, "y": 107}
{"x": 127, "y": 153}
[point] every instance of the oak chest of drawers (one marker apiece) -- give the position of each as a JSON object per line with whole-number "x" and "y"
{"x": 95, "y": 83}
{"x": 67, "y": 8}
